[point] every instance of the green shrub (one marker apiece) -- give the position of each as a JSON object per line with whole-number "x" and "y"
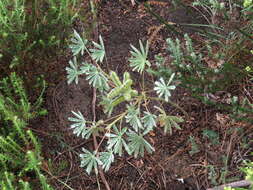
{"x": 32, "y": 28}
{"x": 248, "y": 170}
{"x": 20, "y": 151}
{"x": 204, "y": 80}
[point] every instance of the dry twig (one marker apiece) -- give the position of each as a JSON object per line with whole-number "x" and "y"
{"x": 242, "y": 183}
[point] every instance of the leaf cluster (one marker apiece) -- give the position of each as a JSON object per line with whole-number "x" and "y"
{"x": 128, "y": 131}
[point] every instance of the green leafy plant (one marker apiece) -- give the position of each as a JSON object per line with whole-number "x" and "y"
{"x": 126, "y": 131}
{"x": 139, "y": 57}
{"x": 247, "y": 3}
{"x": 163, "y": 89}
{"x": 78, "y": 44}
{"x": 29, "y": 28}
{"x": 202, "y": 79}
{"x": 212, "y": 136}
{"x": 20, "y": 151}
{"x": 194, "y": 146}
{"x": 98, "y": 53}
{"x": 248, "y": 171}
{"x": 90, "y": 161}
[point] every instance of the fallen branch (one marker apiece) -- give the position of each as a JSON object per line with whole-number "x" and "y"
{"x": 242, "y": 183}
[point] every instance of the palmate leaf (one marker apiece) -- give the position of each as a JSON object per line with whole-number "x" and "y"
{"x": 107, "y": 158}
{"x": 107, "y": 104}
{"x": 211, "y": 135}
{"x": 139, "y": 57}
{"x": 90, "y": 161}
{"x": 98, "y": 54}
{"x": 78, "y": 44}
{"x": 149, "y": 121}
{"x": 163, "y": 89}
{"x": 137, "y": 144}
{"x": 73, "y": 71}
{"x": 116, "y": 141}
{"x": 79, "y": 124}
{"x": 132, "y": 117}
{"x": 96, "y": 78}
{"x": 85, "y": 67}
{"x": 168, "y": 121}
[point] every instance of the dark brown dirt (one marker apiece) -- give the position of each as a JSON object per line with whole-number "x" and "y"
{"x": 171, "y": 167}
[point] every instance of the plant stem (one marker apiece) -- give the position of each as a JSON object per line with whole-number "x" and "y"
{"x": 173, "y": 104}
{"x": 178, "y": 107}
{"x": 101, "y": 173}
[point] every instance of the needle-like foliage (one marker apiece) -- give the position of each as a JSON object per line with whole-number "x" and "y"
{"x": 175, "y": 49}
{"x": 15, "y": 156}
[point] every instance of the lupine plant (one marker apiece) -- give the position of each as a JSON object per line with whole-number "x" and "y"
{"x": 126, "y": 132}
